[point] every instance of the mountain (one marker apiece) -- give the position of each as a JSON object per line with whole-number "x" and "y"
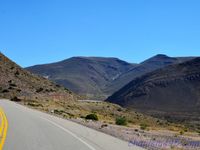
{"x": 16, "y": 83}
{"x": 99, "y": 77}
{"x": 84, "y": 75}
{"x": 172, "y": 92}
{"x": 151, "y": 64}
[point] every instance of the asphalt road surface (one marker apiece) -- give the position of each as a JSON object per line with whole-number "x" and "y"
{"x": 33, "y": 130}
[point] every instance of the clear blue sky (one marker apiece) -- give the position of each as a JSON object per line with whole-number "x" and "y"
{"x": 42, "y": 31}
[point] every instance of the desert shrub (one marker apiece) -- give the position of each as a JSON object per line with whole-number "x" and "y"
{"x": 17, "y": 73}
{"x": 59, "y": 112}
{"x": 10, "y": 88}
{"x": 57, "y": 85}
{"x": 198, "y": 132}
{"x": 39, "y": 90}
{"x": 12, "y": 84}
{"x": 66, "y": 89}
{"x": 104, "y": 125}
{"x": 18, "y": 90}
{"x": 15, "y": 99}
{"x": 121, "y": 121}
{"x": 181, "y": 132}
{"x": 92, "y": 117}
{"x": 50, "y": 90}
{"x": 136, "y": 130}
{"x": 5, "y": 91}
{"x": 185, "y": 129}
{"x": 12, "y": 68}
{"x": 161, "y": 123}
{"x": 143, "y": 126}
{"x": 119, "y": 109}
{"x": 32, "y": 104}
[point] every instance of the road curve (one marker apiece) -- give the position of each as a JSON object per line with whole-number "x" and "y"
{"x": 33, "y": 130}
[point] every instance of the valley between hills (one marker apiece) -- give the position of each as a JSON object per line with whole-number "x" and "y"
{"x": 156, "y": 100}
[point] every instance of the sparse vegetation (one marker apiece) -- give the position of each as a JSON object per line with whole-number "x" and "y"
{"x": 119, "y": 109}
{"x": 39, "y": 90}
{"x": 121, "y": 121}
{"x": 17, "y": 73}
{"x": 92, "y": 117}
{"x": 198, "y": 132}
{"x": 13, "y": 85}
{"x": 181, "y": 132}
{"x": 185, "y": 129}
{"x": 104, "y": 125}
{"x": 34, "y": 104}
{"x": 15, "y": 81}
{"x": 35, "y": 89}
{"x": 15, "y": 99}
{"x": 143, "y": 126}
{"x": 59, "y": 112}
{"x": 5, "y": 91}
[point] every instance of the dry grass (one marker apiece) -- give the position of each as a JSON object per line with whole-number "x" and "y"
{"x": 106, "y": 112}
{"x": 155, "y": 130}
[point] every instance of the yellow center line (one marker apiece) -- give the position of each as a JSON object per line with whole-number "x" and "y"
{"x": 4, "y": 121}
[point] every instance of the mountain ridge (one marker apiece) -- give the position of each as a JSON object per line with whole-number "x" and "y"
{"x": 84, "y": 75}
{"x": 174, "y": 88}
{"x": 151, "y": 64}
{"x": 99, "y": 77}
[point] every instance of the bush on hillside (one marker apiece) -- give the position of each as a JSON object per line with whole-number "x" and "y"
{"x": 121, "y": 121}
{"x": 15, "y": 99}
{"x": 92, "y": 117}
{"x": 143, "y": 126}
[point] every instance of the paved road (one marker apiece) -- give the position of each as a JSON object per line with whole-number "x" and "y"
{"x": 33, "y": 130}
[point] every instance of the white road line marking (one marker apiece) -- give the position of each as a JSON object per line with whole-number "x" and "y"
{"x": 66, "y": 130}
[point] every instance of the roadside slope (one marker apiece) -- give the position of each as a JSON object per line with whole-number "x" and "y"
{"x": 49, "y": 132}
{"x": 17, "y": 83}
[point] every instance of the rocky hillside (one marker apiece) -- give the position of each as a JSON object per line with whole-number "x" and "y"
{"x": 84, "y": 75}
{"x": 173, "y": 90}
{"x": 151, "y": 64}
{"x": 98, "y": 77}
{"x": 16, "y": 83}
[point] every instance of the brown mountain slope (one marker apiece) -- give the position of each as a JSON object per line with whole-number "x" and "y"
{"x": 172, "y": 92}
{"x": 149, "y": 65}
{"x": 84, "y": 75}
{"x": 99, "y": 77}
{"x": 16, "y": 82}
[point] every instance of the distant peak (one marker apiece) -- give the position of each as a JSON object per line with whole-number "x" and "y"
{"x": 161, "y": 56}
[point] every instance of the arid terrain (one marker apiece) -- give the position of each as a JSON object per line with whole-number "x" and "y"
{"x": 101, "y": 76}
{"x": 130, "y": 125}
{"x": 18, "y": 84}
{"x": 141, "y": 130}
